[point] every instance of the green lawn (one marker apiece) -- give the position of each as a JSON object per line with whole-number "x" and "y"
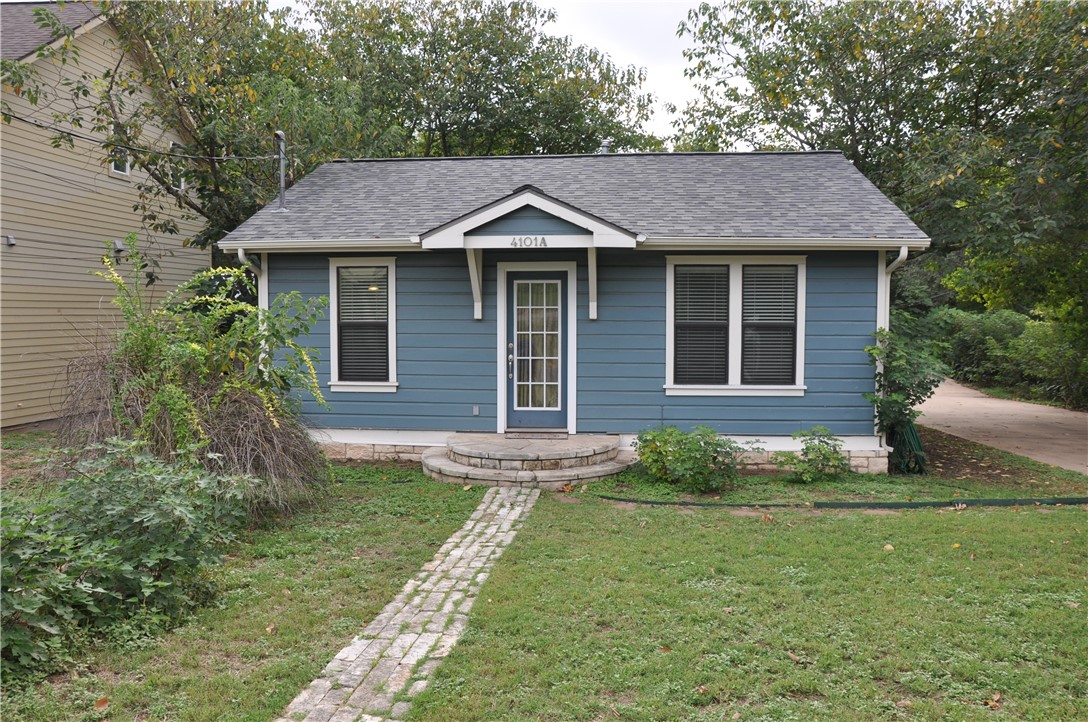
{"x": 600, "y": 612}
{"x": 292, "y": 595}
{"x": 605, "y": 611}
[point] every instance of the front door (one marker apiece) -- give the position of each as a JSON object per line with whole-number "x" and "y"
{"x": 536, "y": 347}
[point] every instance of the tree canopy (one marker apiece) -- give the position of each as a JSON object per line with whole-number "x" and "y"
{"x": 972, "y": 115}
{"x": 377, "y": 78}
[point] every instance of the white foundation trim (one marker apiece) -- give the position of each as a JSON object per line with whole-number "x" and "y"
{"x": 788, "y": 443}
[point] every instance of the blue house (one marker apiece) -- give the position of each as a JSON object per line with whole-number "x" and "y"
{"x": 593, "y": 294}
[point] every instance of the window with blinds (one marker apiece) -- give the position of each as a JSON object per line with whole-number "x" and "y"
{"x": 701, "y": 325}
{"x": 363, "y": 323}
{"x": 735, "y": 323}
{"x": 769, "y": 325}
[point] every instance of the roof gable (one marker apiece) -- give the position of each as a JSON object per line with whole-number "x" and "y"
{"x": 590, "y": 231}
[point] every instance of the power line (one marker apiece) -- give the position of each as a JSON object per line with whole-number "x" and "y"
{"x": 134, "y": 149}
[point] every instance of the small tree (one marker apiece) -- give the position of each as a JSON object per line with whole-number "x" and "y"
{"x": 206, "y": 378}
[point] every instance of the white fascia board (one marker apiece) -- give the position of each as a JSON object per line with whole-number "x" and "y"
{"x": 662, "y": 243}
{"x": 453, "y": 236}
{"x": 313, "y": 245}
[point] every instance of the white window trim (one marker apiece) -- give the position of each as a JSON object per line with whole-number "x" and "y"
{"x": 734, "y": 387}
{"x": 180, "y": 187}
{"x": 126, "y": 174}
{"x": 379, "y": 387}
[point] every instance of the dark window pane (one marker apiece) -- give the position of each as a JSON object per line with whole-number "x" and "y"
{"x": 701, "y": 324}
{"x": 769, "y": 333}
{"x": 363, "y": 299}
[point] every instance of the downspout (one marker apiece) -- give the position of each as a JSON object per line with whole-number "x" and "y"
{"x": 885, "y": 323}
{"x": 896, "y": 263}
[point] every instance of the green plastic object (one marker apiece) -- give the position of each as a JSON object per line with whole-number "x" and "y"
{"x": 907, "y": 455}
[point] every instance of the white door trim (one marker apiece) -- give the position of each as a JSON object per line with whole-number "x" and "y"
{"x": 571, "y": 268}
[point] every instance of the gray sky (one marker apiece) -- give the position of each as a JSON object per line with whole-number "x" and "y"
{"x": 634, "y": 32}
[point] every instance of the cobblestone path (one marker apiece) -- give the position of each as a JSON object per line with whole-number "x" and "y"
{"x": 399, "y": 651}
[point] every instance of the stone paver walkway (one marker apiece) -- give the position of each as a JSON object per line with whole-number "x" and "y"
{"x": 400, "y": 649}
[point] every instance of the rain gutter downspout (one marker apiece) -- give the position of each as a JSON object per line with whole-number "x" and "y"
{"x": 886, "y": 322}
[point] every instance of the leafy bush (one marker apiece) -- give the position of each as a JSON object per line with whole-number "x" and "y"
{"x": 1035, "y": 358}
{"x": 821, "y": 456}
{"x": 908, "y": 371}
{"x": 977, "y": 344}
{"x": 127, "y": 534}
{"x": 700, "y": 460}
{"x": 206, "y": 377}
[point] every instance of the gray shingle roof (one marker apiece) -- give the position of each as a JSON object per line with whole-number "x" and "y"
{"x": 818, "y": 195}
{"x": 20, "y": 34}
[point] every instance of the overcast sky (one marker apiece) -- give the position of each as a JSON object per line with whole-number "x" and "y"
{"x": 634, "y": 32}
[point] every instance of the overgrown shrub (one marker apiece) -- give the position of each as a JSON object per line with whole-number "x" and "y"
{"x": 1035, "y": 358}
{"x": 127, "y": 533}
{"x": 908, "y": 370}
{"x": 821, "y": 456}
{"x": 699, "y": 460}
{"x": 206, "y": 377}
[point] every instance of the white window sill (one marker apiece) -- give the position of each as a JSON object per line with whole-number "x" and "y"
{"x": 674, "y": 390}
{"x": 377, "y": 387}
{"x": 113, "y": 173}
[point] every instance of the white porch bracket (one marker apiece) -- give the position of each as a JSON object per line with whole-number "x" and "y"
{"x": 475, "y": 276}
{"x": 592, "y": 263}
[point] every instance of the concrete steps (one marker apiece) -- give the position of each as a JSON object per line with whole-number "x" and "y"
{"x": 550, "y": 463}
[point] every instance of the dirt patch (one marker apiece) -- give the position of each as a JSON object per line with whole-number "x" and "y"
{"x": 880, "y": 512}
{"x": 567, "y": 499}
{"x": 747, "y": 512}
{"x": 621, "y": 504}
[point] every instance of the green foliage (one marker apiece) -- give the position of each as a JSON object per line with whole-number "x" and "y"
{"x": 127, "y": 533}
{"x": 207, "y": 378}
{"x": 820, "y": 459}
{"x": 699, "y": 460}
{"x": 482, "y": 77}
{"x": 972, "y": 115}
{"x": 1035, "y": 358}
{"x": 908, "y": 370}
{"x": 376, "y": 78}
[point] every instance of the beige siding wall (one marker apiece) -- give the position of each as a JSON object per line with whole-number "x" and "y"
{"x": 61, "y": 205}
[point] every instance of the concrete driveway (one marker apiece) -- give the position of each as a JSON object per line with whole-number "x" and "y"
{"x": 1044, "y": 433}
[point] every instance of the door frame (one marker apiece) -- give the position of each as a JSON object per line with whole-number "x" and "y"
{"x": 501, "y": 307}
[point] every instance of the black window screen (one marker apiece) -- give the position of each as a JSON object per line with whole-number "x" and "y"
{"x": 701, "y": 325}
{"x": 363, "y": 330}
{"x": 769, "y": 328}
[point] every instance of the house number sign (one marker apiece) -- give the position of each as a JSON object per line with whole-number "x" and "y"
{"x": 528, "y": 242}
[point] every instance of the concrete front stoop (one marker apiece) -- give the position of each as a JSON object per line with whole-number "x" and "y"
{"x": 547, "y": 463}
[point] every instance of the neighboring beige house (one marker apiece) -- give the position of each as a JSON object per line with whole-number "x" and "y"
{"x": 57, "y": 208}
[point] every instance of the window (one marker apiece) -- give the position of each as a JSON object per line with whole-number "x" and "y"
{"x": 363, "y": 324}
{"x": 119, "y": 162}
{"x": 735, "y": 325}
{"x": 177, "y": 174}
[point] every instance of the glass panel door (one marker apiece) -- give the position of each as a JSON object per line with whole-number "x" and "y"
{"x": 536, "y": 345}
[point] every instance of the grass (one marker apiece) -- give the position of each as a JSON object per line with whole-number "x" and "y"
{"x": 958, "y": 469}
{"x": 601, "y": 612}
{"x": 292, "y": 595}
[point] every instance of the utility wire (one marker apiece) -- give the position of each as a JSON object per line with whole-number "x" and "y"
{"x": 135, "y": 149}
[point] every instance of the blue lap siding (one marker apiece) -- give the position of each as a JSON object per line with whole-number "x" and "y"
{"x": 446, "y": 360}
